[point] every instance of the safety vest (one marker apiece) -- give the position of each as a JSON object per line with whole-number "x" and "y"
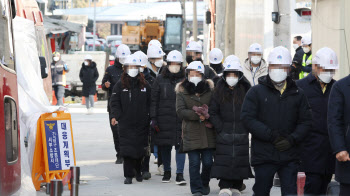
{"x": 304, "y": 74}
{"x": 58, "y": 73}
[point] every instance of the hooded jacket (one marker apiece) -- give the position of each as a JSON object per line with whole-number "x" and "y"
{"x": 88, "y": 76}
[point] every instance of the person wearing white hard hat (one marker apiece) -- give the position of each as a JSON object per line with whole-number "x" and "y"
{"x": 164, "y": 120}
{"x": 155, "y": 56}
{"x": 155, "y": 42}
{"x": 58, "y": 75}
{"x": 316, "y": 146}
{"x": 130, "y": 105}
{"x": 194, "y": 52}
{"x": 193, "y": 95}
{"x": 229, "y": 93}
{"x": 278, "y": 116}
{"x": 143, "y": 69}
{"x": 215, "y": 60}
{"x": 255, "y": 66}
{"x": 298, "y": 58}
{"x": 339, "y": 129}
{"x": 306, "y": 67}
{"x": 88, "y": 76}
{"x": 111, "y": 77}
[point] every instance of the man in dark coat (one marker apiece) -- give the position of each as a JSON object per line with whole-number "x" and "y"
{"x": 231, "y": 164}
{"x": 318, "y": 160}
{"x": 111, "y": 77}
{"x": 88, "y": 76}
{"x": 297, "y": 59}
{"x": 165, "y": 121}
{"x": 278, "y": 116}
{"x": 338, "y": 129}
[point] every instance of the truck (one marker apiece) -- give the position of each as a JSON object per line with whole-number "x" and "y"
{"x": 10, "y": 156}
{"x": 74, "y": 61}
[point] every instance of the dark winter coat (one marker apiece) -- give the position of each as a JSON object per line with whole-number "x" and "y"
{"x": 148, "y": 76}
{"x": 130, "y": 107}
{"x": 232, "y": 138}
{"x": 209, "y": 72}
{"x": 297, "y": 60}
{"x": 58, "y": 73}
{"x": 113, "y": 74}
{"x": 195, "y": 134}
{"x": 339, "y": 125}
{"x": 163, "y": 108}
{"x": 317, "y": 155}
{"x": 267, "y": 114}
{"x": 88, "y": 76}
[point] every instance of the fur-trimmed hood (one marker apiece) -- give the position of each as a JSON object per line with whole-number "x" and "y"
{"x": 182, "y": 87}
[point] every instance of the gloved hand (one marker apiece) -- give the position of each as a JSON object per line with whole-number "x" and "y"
{"x": 196, "y": 109}
{"x": 154, "y": 125}
{"x": 204, "y": 111}
{"x": 283, "y": 144}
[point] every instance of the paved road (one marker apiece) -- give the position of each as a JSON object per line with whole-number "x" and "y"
{"x": 100, "y": 176}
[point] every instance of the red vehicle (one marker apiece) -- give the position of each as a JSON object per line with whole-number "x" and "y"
{"x": 10, "y": 158}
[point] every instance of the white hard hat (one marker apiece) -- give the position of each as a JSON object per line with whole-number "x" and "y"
{"x": 88, "y": 57}
{"x": 197, "y": 66}
{"x": 326, "y": 58}
{"x": 122, "y": 51}
{"x": 111, "y": 58}
{"x": 215, "y": 56}
{"x": 194, "y": 46}
{"x": 280, "y": 55}
{"x": 174, "y": 56}
{"x": 306, "y": 40}
{"x": 143, "y": 58}
{"x": 132, "y": 60}
{"x": 155, "y": 42}
{"x": 154, "y": 51}
{"x": 231, "y": 58}
{"x": 256, "y": 48}
{"x": 233, "y": 65}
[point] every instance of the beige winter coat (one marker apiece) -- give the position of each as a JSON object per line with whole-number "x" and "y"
{"x": 253, "y": 78}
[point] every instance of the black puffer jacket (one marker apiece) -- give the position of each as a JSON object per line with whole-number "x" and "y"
{"x": 266, "y": 113}
{"x": 232, "y": 140}
{"x": 130, "y": 107}
{"x": 163, "y": 108}
{"x": 148, "y": 76}
{"x": 88, "y": 76}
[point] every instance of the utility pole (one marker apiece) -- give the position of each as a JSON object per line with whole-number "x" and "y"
{"x": 195, "y": 23}
{"x": 282, "y": 29}
{"x": 183, "y": 8}
{"x": 94, "y": 34}
{"x": 220, "y": 24}
{"x": 230, "y": 19}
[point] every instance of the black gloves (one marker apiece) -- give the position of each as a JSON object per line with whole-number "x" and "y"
{"x": 283, "y": 144}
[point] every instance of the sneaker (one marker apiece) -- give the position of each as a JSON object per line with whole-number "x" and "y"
{"x": 225, "y": 192}
{"x": 180, "y": 179}
{"x": 91, "y": 110}
{"x": 139, "y": 178}
{"x": 160, "y": 170}
{"x": 197, "y": 194}
{"x": 128, "y": 181}
{"x": 119, "y": 160}
{"x": 235, "y": 192}
{"x": 146, "y": 175}
{"x": 155, "y": 161}
{"x": 167, "y": 176}
{"x": 206, "y": 190}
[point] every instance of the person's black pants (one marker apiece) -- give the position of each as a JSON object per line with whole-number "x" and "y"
{"x": 130, "y": 166}
{"x": 115, "y": 131}
{"x": 316, "y": 184}
{"x": 265, "y": 173}
{"x": 160, "y": 157}
{"x": 145, "y": 164}
{"x": 227, "y": 184}
{"x": 344, "y": 189}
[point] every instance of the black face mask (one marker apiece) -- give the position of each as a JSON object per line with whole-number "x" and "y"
{"x": 216, "y": 67}
{"x": 189, "y": 59}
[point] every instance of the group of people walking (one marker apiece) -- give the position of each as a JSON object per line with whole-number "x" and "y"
{"x": 208, "y": 112}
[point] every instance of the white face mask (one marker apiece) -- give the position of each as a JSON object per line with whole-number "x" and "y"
{"x": 326, "y": 77}
{"x": 195, "y": 80}
{"x": 159, "y": 63}
{"x": 86, "y": 63}
{"x": 255, "y": 59}
{"x": 306, "y": 49}
{"x": 278, "y": 75}
{"x": 122, "y": 60}
{"x": 133, "y": 72}
{"x": 231, "y": 81}
{"x": 174, "y": 68}
{"x": 56, "y": 58}
{"x": 295, "y": 46}
{"x": 142, "y": 69}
